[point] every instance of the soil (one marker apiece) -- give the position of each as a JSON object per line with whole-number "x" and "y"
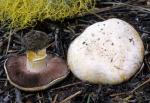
{"x": 73, "y": 90}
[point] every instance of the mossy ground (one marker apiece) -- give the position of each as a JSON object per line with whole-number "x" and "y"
{"x": 23, "y": 13}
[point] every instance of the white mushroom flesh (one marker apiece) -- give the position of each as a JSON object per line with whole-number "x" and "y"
{"x": 108, "y": 52}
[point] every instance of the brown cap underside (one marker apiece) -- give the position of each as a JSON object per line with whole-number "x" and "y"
{"x": 16, "y": 68}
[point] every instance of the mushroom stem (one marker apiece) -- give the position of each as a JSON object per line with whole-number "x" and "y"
{"x": 34, "y": 56}
{"x": 36, "y": 60}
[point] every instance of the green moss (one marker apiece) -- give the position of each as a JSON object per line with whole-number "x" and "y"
{"x": 23, "y": 13}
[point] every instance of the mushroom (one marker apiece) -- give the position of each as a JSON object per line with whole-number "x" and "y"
{"x": 108, "y": 52}
{"x": 35, "y": 70}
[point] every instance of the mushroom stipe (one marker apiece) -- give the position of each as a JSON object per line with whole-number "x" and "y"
{"x": 35, "y": 70}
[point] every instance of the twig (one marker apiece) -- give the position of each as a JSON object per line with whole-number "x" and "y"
{"x": 136, "y": 88}
{"x": 88, "y": 100}
{"x": 118, "y": 94}
{"x": 70, "y": 97}
{"x": 98, "y": 16}
{"x": 139, "y": 70}
{"x": 147, "y": 60}
{"x": 65, "y": 86}
{"x": 8, "y": 45}
{"x": 99, "y": 10}
{"x": 39, "y": 98}
{"x": 131, "y": 92}
{"x": 142, "y": 9}
{"x": 49, "y": 98}
{"x": 126, "y": 99}
{"x": 55, "y": 98}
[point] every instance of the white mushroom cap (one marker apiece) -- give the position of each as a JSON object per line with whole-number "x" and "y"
{"x": 108, "y": 52}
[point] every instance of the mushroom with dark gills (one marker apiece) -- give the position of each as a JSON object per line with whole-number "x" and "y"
{"x": 35, "y": 70}
{"x": 108, "y": 52}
